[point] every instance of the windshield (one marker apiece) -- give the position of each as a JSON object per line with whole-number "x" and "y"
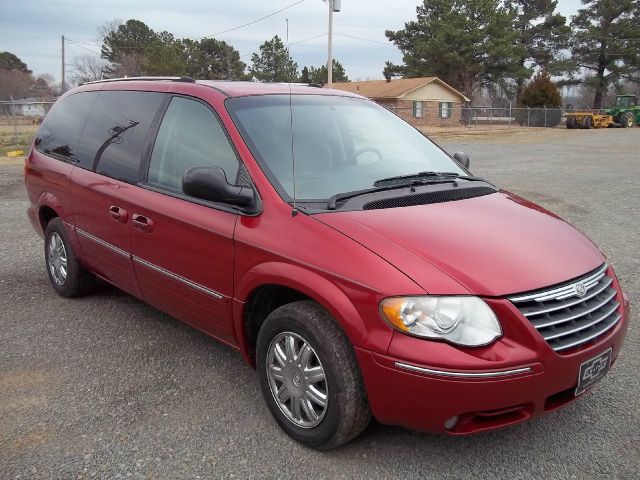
{"x": 340, "y": 144}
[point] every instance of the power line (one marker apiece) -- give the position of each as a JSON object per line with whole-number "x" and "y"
{"x": 253, "y": 21}
{"x": 364, "y": 39}
{"x": 306, "y": 39}
{"x": 292, "y": 43}
{"x": 76, "y": 44}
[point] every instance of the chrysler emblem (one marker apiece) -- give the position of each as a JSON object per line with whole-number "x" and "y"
{"x": 580, "y": 289}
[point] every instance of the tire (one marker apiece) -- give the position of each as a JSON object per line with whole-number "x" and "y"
{"x": 571, "y": 122}
{"x": 67, "y": 277}
{"x": 587, "y": 122}
{"x": 627, "y": 120}
{"x": 346, "y": 411}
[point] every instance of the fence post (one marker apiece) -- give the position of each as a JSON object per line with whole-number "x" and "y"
{"x": 510, "y": 115}
{"x": 528, "y": 116}
{"x": 545, "y": 115}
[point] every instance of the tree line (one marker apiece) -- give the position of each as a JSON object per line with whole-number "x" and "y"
{"x": 132, "y": 48}
{"x": 490, "y": 44}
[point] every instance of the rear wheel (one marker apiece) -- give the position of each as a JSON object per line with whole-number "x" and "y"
{"x": 66, "y": 275}
{"x": 627, "y": 120}
{"x": 571, "y": 122}
{"x": 309, "y": 376}
{"x": 587, "y": 122}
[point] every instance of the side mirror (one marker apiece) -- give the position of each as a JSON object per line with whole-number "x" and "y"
{"x": 210, "y": 183}
{"x": 462, "y": 158}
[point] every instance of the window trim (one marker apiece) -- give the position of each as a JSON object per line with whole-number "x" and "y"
{"x": 143, "y": 174}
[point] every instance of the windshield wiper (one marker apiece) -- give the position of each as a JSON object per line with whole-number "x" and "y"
{"x": 423, "y": 178}
{"x": 332, "y": 202}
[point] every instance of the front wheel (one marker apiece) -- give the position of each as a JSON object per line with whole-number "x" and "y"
{"x": 309, "y": 376}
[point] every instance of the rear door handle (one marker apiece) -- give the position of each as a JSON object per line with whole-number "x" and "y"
{"x": 118, "y": 213}
{"x": 143, "y": 223}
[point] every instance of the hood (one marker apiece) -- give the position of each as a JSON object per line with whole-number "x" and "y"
{"x": 492, "y": 245}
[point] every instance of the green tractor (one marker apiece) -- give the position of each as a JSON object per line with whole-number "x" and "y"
{"x": 626, "y": 111}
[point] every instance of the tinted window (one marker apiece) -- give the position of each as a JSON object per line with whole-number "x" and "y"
{"x": 113, "y": 139}
{"x": 60, "y": 132}
{"x": 190, "y": 135}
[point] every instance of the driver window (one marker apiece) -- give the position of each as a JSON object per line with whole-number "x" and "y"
{"x": 190, "y": 135}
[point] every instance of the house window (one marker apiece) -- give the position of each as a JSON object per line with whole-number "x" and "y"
{"x": 445, "y": 109}
{"x": 417, "y": 109}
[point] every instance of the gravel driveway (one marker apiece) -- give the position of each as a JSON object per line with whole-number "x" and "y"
{"x": 107, "y": 387}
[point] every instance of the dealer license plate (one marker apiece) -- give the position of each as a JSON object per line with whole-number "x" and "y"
{"x": 593, "y": 370}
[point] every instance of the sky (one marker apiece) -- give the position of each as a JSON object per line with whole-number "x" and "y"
{"x": 32, "y": 29}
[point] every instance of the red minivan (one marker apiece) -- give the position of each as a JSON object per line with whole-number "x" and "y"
{"x": 356, "y": 265}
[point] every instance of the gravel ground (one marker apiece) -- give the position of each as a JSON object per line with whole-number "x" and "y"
{"x": 107, "y": 387}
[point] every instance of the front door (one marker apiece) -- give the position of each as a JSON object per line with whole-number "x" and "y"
{"x": 183, "y": 248}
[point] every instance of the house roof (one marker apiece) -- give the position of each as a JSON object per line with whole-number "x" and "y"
{"x": 396, "y": 88}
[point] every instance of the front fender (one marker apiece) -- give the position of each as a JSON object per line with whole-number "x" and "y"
{"x": 359, "y": 318}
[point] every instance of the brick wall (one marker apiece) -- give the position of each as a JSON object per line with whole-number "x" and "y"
{"x": 430, "y": 112}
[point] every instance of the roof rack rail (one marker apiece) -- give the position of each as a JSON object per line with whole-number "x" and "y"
{"x": 146, "y": 79}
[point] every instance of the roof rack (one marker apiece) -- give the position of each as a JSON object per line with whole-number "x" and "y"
{"x": 146, "y": 79}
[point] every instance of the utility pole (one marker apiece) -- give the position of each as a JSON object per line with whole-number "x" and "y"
{"x": 334, "y": 6}
{"x": 62, "y": 84}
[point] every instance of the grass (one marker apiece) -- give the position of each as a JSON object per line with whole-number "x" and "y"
{"x": 10, "y": 141}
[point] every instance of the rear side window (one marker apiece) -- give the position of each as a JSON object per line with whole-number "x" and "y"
{"x": 190, "y": 135}
{"x": 60, "y": 132}
{"x": 113, "y": 139}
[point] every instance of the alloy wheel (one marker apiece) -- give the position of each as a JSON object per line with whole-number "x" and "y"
{"x": 57, "y": 259}
{"x": 297, "y": 380}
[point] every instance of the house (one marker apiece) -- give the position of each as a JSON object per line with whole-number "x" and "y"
{"x": 27, "y": 107}
{"x": 424, "y": 101}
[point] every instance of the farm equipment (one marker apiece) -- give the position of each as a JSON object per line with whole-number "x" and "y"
{"x": 625, "y": 113}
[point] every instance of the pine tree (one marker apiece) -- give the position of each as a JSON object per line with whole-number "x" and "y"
{"x": 467, "y": 44}
{"x": 542, "y": 33}
{"x": 605, "y": 43}
{"x": 273, "y": 64}
{"x": 320, "y": 74}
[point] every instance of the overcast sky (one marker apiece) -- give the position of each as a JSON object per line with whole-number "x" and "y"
{"x": 31, "y": 29}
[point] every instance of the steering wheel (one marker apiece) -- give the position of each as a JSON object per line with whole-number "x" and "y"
{"x": 359, "y": 151}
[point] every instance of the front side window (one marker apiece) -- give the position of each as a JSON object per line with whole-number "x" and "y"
{"x": 190, "y": 136}
{"x": 113, "y": 138}
{"x": 340, "y": 144}
{"x": 60, "y": 132}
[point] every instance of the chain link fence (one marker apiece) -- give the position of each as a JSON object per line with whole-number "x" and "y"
{"x": 456, "y": 117}
{"x": 19, "y": 121}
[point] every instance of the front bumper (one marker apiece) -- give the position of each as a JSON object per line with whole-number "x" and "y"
{"x": 474, "y": 390}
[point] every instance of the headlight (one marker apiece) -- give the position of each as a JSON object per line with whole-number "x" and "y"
{"x": 466, "y": 321}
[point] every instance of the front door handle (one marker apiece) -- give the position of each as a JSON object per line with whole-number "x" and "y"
{"x": 118, "y": 213}
{"x": 143, "y": 223}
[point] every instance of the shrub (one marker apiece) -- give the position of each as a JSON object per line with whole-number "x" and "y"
{"x": 540, "y": 93}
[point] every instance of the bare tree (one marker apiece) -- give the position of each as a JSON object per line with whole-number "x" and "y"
{"x": 88, "y": 69}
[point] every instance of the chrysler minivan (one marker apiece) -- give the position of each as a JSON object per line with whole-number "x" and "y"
{"x": 362, "y": 270}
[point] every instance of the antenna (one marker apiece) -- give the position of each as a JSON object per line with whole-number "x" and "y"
{"x": 294, "y": 212}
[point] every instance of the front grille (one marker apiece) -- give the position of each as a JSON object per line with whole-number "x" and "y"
{"x": 567, "y": 319}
